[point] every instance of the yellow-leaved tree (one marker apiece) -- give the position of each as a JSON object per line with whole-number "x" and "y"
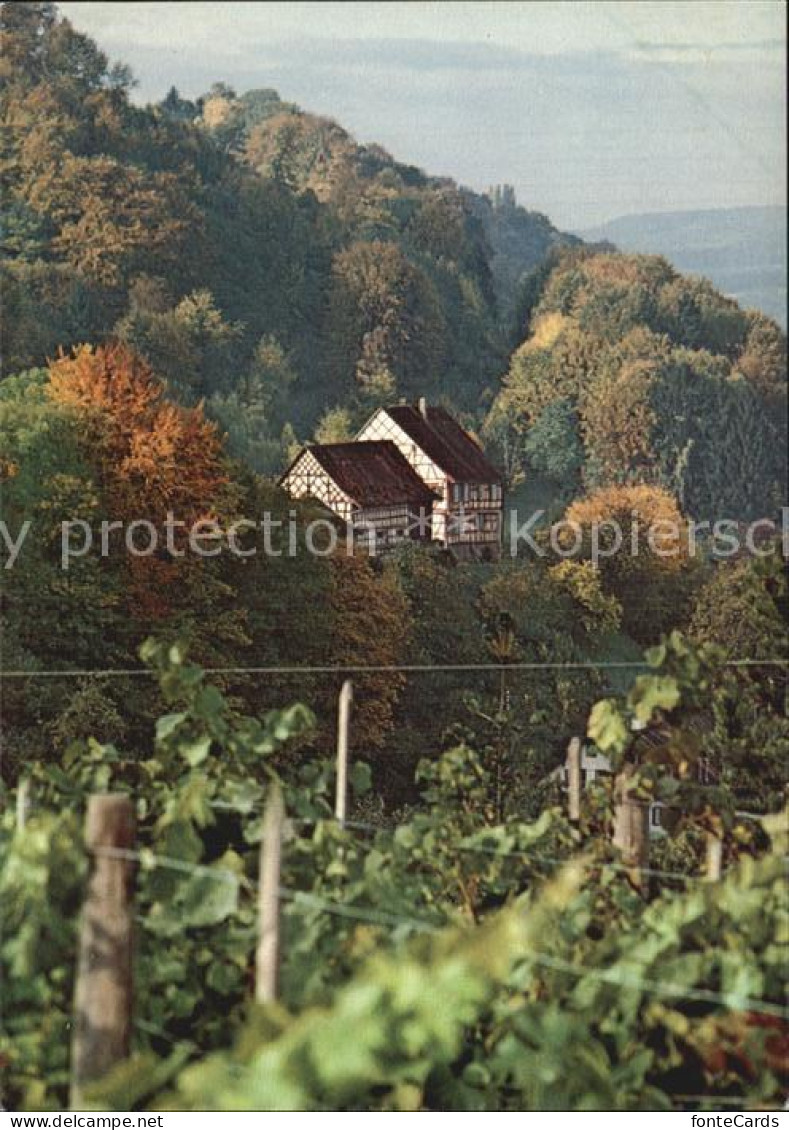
{"x": 638, "y": 539}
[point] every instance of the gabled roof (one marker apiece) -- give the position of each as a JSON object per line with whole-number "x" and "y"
{"x": 444, "y": 441}
{"x": 372, "y": 473}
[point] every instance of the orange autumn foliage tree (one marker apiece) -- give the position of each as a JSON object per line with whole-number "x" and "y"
{"x": 651, "y": 573}
{"x": 157, "y": 455}
{"x": 154, "y": 458}
{"x": 640, "y": 507}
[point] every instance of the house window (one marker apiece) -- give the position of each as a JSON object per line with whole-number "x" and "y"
{"x": 655, "y": 816}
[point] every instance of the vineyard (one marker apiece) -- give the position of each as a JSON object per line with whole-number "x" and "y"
{"x": 448, "y": 959}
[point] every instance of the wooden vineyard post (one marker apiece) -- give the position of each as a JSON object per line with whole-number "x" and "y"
{"x": 631, "y": 830}
{"x": 23, "y": 804}
{"x": 574, "y": 779}
{"x": 103, "y": 990}
{"x": 343, "y": 730}
{"x": 714, "y": 858}
{"x": 267, "y": 957}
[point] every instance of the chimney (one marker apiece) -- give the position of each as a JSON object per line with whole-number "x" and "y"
{"x": 422, "y": 405}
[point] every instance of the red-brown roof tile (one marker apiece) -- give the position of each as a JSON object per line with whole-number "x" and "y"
{"x": 444, "y": 441}
{"x": 373, "y": 473}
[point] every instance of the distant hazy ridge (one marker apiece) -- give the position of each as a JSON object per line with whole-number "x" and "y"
{"x": 741, "y": 250}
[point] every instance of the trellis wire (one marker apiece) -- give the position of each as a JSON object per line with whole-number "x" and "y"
{"x": 361, "y": 914}
{"x": 676, "y": 876}
{"x": 555, "y": 861}
{"x": 662, "y": 988}
{"x": 376, "y": 668}
{"x": 225, "y": 875}
{"x": 381, "y": 918}
{"x": 155, "y": 1030}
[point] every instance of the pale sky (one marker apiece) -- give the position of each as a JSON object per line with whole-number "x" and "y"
{"x": 591, "y": 109}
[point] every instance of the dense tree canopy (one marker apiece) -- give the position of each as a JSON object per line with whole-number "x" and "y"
{"x": 658, "y": 377}
{"x": 196, "y": 230}
{"x": 637, "y": 539}
{"x": 94, "y": 440}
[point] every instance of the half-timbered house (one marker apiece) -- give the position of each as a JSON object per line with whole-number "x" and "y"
{"x": 370, "y": 486}
{"x": 467, "y": 516}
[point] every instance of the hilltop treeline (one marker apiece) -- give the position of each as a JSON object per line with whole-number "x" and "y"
{"x": 253, "y": 253}
{"x": 632, "y": 373}
{"x": 262, "y": 260}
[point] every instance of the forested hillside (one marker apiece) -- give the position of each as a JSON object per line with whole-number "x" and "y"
{"x": 248, "y": 257}
{"x": 741, "y": 250}
{"x": 253, "y": 253}
{"x": 631, "y": 372}
{"x": 262, "y": 260}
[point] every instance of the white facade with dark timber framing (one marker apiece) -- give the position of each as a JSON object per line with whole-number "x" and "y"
{"x": 467, "y": 516}
{"x": 369, "y": 486}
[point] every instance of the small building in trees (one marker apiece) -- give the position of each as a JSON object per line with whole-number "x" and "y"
{"x": 369, "y": 485}
{"x": 595, "y": 764}
{"x": 649, "y": 740}
{"x": 467, "y": 515}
